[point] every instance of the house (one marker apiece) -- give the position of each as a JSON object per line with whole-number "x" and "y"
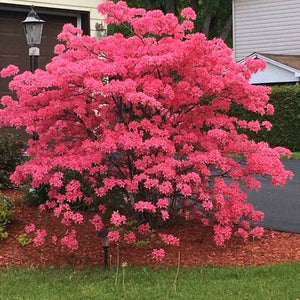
{"x": 13, "y": 47}
{"x": 269, "y": 30}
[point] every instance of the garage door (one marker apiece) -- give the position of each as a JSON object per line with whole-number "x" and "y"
{"x": 13, "y": 47}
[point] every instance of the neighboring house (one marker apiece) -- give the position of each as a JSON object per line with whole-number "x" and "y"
{"x": 13, "y": 47}
{"x": 270, "y": 30}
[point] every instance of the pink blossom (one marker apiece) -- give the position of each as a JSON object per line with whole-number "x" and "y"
{"x": 70, "y": 241}
{"x": 158, "y": 254}
{"x": 257, "y": 232}
{"x": 88, "y": 200}
{"x": 102, "y": 208}
{"x": 97, "y": 222}
{"x": 113, "y": 236}
{"x": 144, "y": 228}
{"x": 162, "y": 203}
{"x": 42, "y": 207}
{"x": 217, "y": 133}
{"x": 9, "y": 71}
{"x": 187, "y": 25}
{"x": 254, "y": 126}
{"x": 207, "y": 205}
{"x": 73, "y": 191}
{"x": 188, "y": 13}
{"x": 166, "y": 187}
{"x": 129, "y": 237}
{"x": 270, "y": 109}
{"x": 144, "y": 205}
{"x": 117, "y": 219}
{"x": 222, "y": 233}
{"x": 70, "y": 216}
{"x": 39, "y": 238}
{"x": 51, "y": 204}
{"x": 169, "y": 239}
{"x": 59, "y": 49}
{"x": 29, "y": 228}
{"x": 56, "y": 179}
{"x": 267, "y": 124}
{"x": 243, "y": 233}
{"x": 257, "y": 216}
{"x": 164, "y": 214}
{"x": 185, "y": 189}
{"x": 205, "y": 221}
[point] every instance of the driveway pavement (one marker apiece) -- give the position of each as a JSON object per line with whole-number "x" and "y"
{"x": 281, "y": 205}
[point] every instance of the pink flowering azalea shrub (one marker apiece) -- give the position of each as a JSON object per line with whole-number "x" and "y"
{"x": 142, "y": 124}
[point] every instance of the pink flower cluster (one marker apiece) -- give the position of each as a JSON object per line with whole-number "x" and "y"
{"x": 97, "y": 222}
{"x": 144, "y": 205}
{"x": 113, "y": 236}
{"x": 130, "y": 237}
{"x": 162, "y": 203}
{"x": 9, "y": 71}
{"x": 158, "y": 254}
{"x": 117, "y": 219}
{"x": 188, "y": 13}
{"x": 169, "y": 239}
{"x": 144, "y": 229}
{"x": 70, "y": 241}
{"x": 39, "y": 238}
{"x": 29, "y": 228}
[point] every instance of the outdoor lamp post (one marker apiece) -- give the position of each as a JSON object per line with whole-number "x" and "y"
{"x": 104, "y": 241}
{"x": 101, "y": 30}
{"x": 33, "y": 27}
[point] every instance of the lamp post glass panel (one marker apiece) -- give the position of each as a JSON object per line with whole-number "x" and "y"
{"x": 33, "y": 28}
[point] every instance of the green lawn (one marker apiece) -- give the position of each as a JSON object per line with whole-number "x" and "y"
{"x": 295, "y": 155}
{"x": 270, "y": 282}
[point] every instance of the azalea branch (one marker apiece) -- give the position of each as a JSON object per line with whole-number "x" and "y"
{"x": 89, "y": 132}
{"x": 116, "y": 164}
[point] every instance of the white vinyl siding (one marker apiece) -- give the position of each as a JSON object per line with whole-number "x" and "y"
{"x": 270, "y": 26}
{"x": 74, "y": 5}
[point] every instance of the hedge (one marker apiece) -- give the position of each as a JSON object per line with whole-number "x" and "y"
{"x": 286, "y": 119}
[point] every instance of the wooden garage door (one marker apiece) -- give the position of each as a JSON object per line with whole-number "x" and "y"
{"x": 13, "y": 47}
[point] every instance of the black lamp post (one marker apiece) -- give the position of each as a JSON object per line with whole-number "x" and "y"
{"x": 104, "y": 241}
{"x": 33, "y": 27}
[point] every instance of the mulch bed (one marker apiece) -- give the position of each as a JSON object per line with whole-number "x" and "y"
{"x": 197, "y": 247}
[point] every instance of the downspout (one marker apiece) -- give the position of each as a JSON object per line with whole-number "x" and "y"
{"x": 233, "y": 29}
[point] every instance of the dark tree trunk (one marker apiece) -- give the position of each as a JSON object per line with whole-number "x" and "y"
{"x": 206, "y": 24}
{"x": 226, "y": 29}
{"x": 171, "y": 6}
{"x": 151, "y": 4}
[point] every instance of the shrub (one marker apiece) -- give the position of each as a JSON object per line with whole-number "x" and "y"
{"x": 286, "y": 119}
{"x": 142, "y": 123}
{"x": 6, "y": 213}
{"x": 24, "y": 239}
{"x": 11, "y": 154}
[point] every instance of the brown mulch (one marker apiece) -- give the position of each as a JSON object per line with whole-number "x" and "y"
{"x": 196, "y": 248}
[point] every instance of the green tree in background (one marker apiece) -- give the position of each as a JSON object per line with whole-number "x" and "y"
{"x": 214, "y": 16}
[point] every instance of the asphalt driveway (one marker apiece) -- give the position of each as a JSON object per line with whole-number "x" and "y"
{"x": 281, "y": 205}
